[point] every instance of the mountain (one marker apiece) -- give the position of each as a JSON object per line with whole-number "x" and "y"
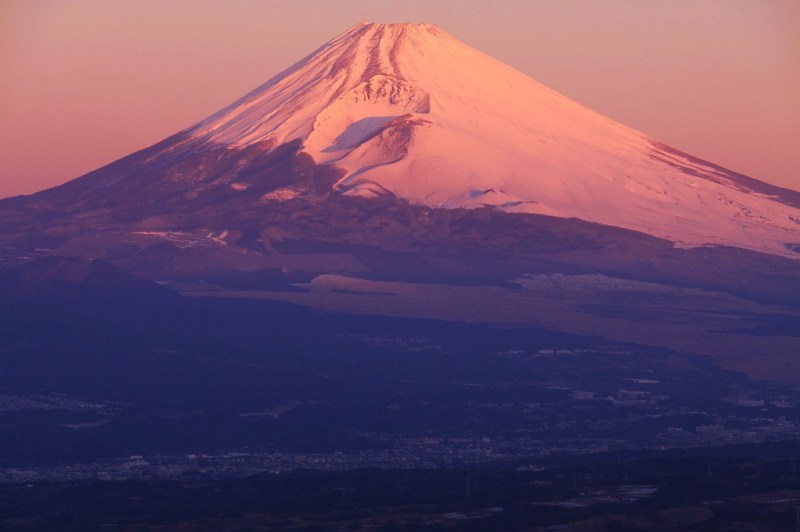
{"x": 399, "y": 139}
{"x": 76, "y": 277}
{"x": 410, "y": 110}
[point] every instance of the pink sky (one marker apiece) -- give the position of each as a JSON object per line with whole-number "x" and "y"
{"x": 83, "y": 83}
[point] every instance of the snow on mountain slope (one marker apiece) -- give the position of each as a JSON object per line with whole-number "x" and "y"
{"x": 409, "y": 109}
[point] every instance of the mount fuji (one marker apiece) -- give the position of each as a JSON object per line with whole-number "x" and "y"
{"x": 410, "y": 110}
{"x": 401, "y": 138}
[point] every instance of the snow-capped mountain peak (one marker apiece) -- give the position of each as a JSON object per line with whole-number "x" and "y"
{"x": 409, "y": 109}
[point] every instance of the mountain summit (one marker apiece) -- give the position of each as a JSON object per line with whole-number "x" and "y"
{"x": 410, "y": 110}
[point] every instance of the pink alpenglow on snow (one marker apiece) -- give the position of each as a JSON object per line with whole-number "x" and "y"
{"x": 409, "y": 109}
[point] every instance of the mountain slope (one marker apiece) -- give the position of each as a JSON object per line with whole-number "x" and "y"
{"x": 410, "y": 110}
{"x": 407, "y": 114}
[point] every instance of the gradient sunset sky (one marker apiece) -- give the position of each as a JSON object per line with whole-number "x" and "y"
{"x": 84, "y": 82}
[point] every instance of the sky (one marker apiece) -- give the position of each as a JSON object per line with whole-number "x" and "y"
{"x": 84, "y": 82}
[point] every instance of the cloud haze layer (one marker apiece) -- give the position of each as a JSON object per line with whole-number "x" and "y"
{"x": 86, "y": 82}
